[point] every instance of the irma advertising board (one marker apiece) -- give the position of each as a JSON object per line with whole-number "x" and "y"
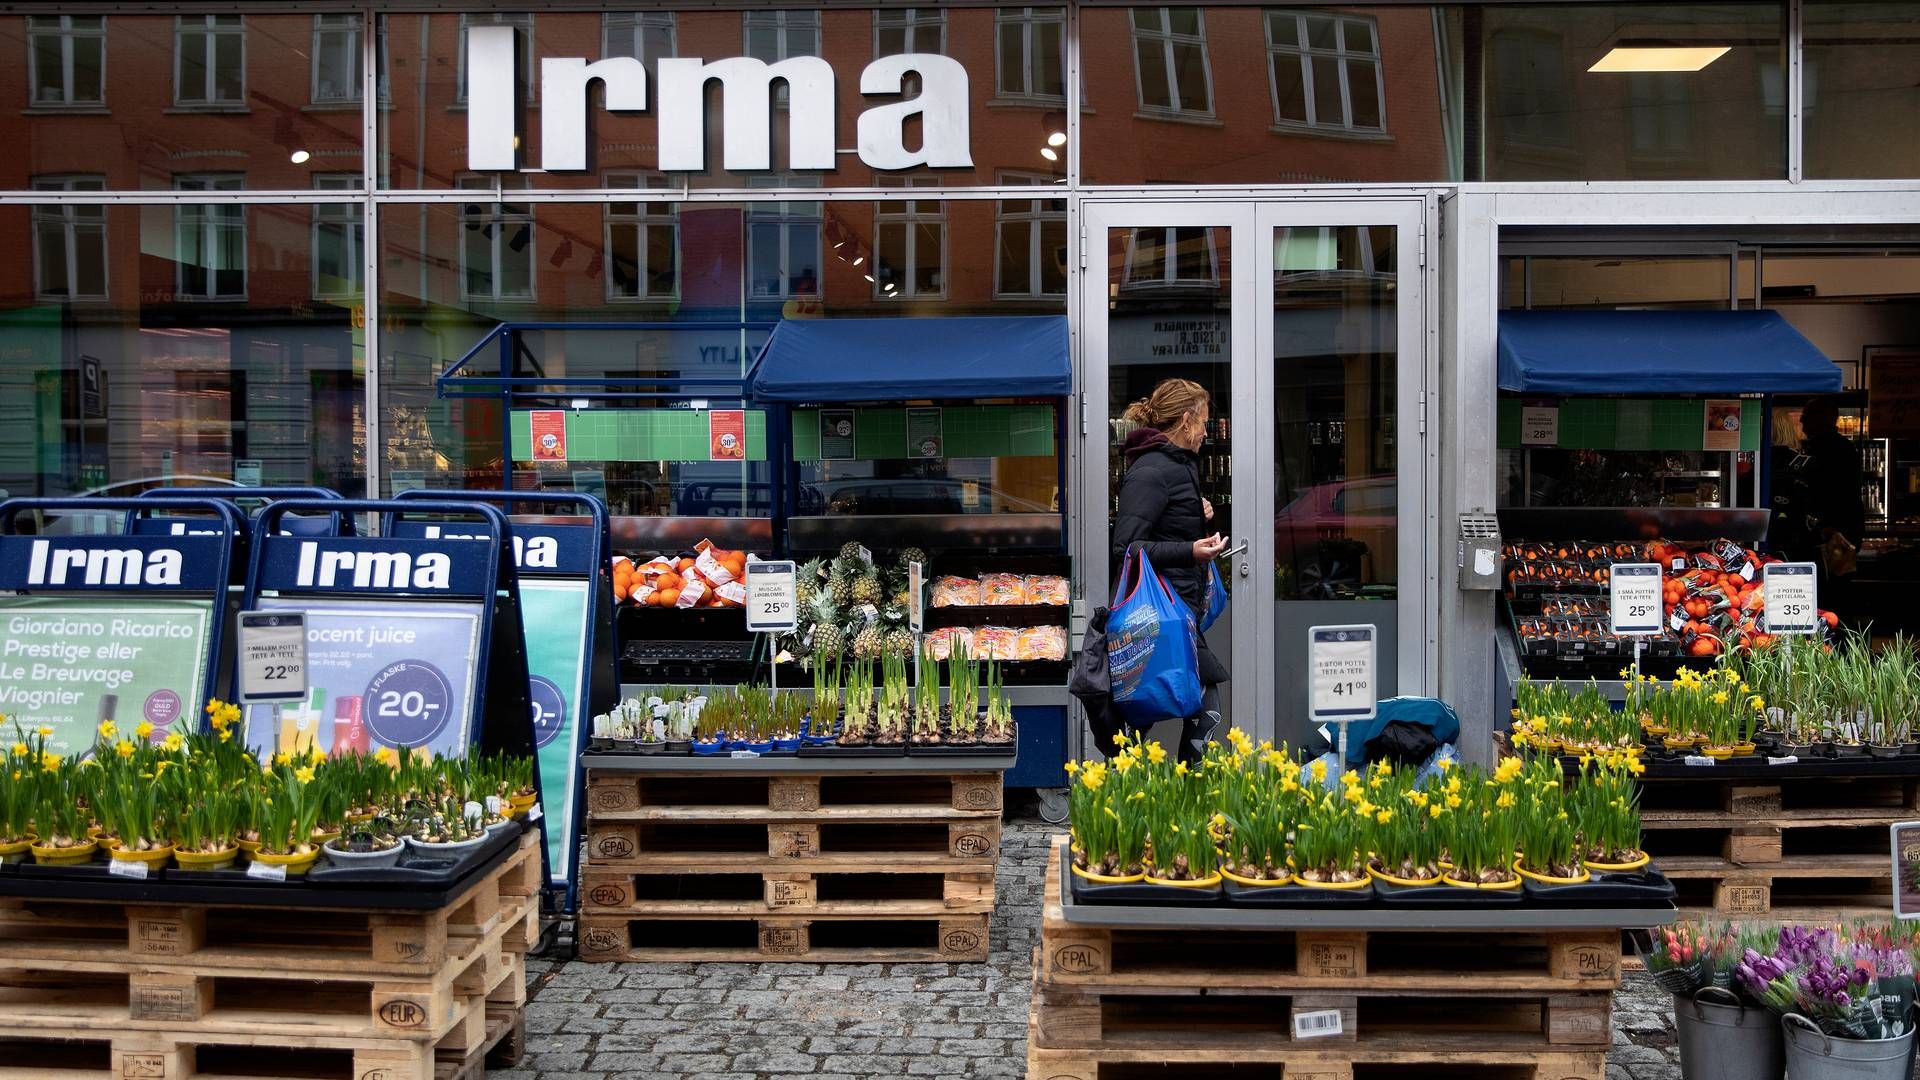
{"x": 69, "y": 662}
{"x": 380, "y": 675}
{"x": 555, "y": 616}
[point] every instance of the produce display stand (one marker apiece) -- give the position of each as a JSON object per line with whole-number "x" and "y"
{"x": 1201, "y": 987}
{"x": 790, "y": 858}
{"x": 247, "y": 987}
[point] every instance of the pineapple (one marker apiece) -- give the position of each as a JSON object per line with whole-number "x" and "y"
{"x": 810, "y": 577}
{"x": 840, "y": 585}
{"x": 898, "y": 643}
{"x": 828, "y": 637}
{"x": 850, "y": 551}
{"x": 869, "y": 643}
{"x": 913, "y": 555}
{"x": 866, "y": 588}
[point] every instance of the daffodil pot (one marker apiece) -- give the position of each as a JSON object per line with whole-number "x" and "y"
{"x": 154, "y": 858}
{"x": 1107, "y": 879}
{"x": 296, "y": 864}
{"x": 1511, "y": 885}
{"x": 524, "y": 800}
{"x": 71, "y": 855}
{"x": 1722, "y": 1038}
{"x": 1286, "y": 878}
{"x": 19, "y": 850}
{"x": 1883, "y": 750}
{"x": 1679, "y": 742}
{"x": 1849, "y": 750}
{"x": 249, "y": 848}
{"x": 1745, "y": 749}
{"x": 207, "y": 860}
{"x": 1627, "y": 867}
{"x": 1718, "y": 753}
{"x": 454, "y": 850}
{"x": 1549, "y": 879}
{"x": 321, "y": 836}
{"x": 1379, "y": 875}
{"x": 363, "y": 860}
{"x": 1797, "y": 749}
{"x": 1361, "y": 882}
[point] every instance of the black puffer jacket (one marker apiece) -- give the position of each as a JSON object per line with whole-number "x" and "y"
{"x": 1161, "y": 508}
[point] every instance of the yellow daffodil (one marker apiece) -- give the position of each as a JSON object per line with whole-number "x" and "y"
{"x": 174, "y": 741}
{"x": 123, "y": 748}
{"x": 1443, "y": 764}
{"x": 1072, "y": 767}
{"x": 282, "y": 758}
{"x": 1180, "y": 769}
{"x": 46, "y": 732}
{"x": 304, "y": 774}
{"x": 19, "y": 749}
{"x": 1157, "y": 753}
{"x": 1318, "y": 770}
{"x": 143, "y": 731}
{"x": 1435, "y": 810}
{"x": 109, "y": 730}
{"x": 1384, "y": 817}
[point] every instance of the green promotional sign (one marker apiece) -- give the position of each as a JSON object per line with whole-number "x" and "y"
{"x": 68, "y": 663}
{"x": 555, "y": 614}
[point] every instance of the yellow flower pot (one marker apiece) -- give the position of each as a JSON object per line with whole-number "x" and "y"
{"x": 1743, "y": 749}
{"x": 65, "y": 856}
{"x": 18, "y": 851}
{"x": 1107, "y": 879}
{"x": 1406, "y": 883}
{"x": 1679, "y": 742}
{"x": 295, "y": 864}
{"x": 154, "y": 858}
{"x": 1496, "y": 886}
{"x": 249, "y": 847}
{"x": 1207, "y": 882}
{"x": 1340, "y": 886}
{"x": 524, "y": 802}
{"x": 1255, "y": 883}
{"x": 206, "y": 860}
{"x": 1547, "y": 880}
{"x": 1619, "y": 868}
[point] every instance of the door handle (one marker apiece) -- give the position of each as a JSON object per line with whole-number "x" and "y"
{"x": 1240, "y": 549}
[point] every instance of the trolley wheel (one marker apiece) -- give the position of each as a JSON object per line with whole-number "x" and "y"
{"x": 1053, "y": 804}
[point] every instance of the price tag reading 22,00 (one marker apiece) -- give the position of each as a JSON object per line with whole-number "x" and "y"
{"x": 1636, "y": 598}
{"x": 272, "y": 647}
{"x": 772, "y": 597}
{"x": 1340, "y": 663}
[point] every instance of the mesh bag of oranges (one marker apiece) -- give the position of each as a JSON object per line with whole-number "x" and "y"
{"x": 709, "y": 576}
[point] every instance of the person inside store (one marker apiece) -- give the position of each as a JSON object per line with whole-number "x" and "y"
{"x": 1161, "y": 509}
{"x": 1819, "y": 512}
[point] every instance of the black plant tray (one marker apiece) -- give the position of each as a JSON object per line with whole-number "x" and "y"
{"x": 837, "y": 751}
{"x": 1291, "y": 896}
{"x": 974, "y": 749}
{"x": 1141, "y": 892}
{"x": 1449, "y": 896}
{"x": 1646, "y": 888}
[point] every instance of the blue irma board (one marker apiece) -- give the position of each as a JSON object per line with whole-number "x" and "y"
{"x": 1043, "y": 747}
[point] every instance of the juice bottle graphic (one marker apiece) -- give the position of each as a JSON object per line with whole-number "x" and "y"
{"x": 300, "y": 724}
{"x": 350, "y": 735}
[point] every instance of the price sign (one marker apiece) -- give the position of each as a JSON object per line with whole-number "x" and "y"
{"x": 1540, "y": 425}
{"x": 273, "y": 655}
{"x": 1793, "y": 602}
{"x": 1635, "y": 598}
{"x": 772, "y": 599}
{"x": 1340, "y": 661}
{"x": 916, "y": 599}
{"x": 1906, "y": 870}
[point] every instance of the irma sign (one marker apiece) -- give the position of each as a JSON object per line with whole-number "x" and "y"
{"x": 746, "y": 92}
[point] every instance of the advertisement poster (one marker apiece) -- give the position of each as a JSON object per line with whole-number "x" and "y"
{"x": 727, "y": 435}
{"x": 379, "y": 675}
{"x": 69, "y": 662}
{"x": 549, "y": 434}
{"x": 555, "y": 616}
{"x": 1723, "y": 425}
{"x": 836, "y": 434}
{"x": 924, "y": 438}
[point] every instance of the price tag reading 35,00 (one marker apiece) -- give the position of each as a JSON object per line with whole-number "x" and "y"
{"x": 1340, "y": 661}
{"x": 1636, "y": 597}
{"x": 1793, "y": 601}
{"x": 272, "y": 646}
{"x": 772, "y": 598}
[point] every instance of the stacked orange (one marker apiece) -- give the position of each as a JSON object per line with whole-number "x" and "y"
{"x": 711, "y": 577}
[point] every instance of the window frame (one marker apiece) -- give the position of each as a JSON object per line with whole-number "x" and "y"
{"x": 348, "y": 214}
{"x": 1305, "y": 55}
{"x": 525, "y": 63}
{"x": 779, "y": 214}
{"x": 1169, "y": 277}
{"x": 65, "y": 214}
{"x": 909, "y": 219}
{"x": 642, "y": 221}
{"x": 1036, "y": 219}
{"x": 212, "y": 31}
{"x": 356, "y": 50}
{"x": 1028, "y": 19}
{"x": 1167, "y": 39}
{"x": 910, "y": 20}
{"x": 69, "y": 35}
{"x": 498, "y": 217}
{"x": 211, "y": 220}
{"x": 644, "y": 24}
{"x": 782, "y": 22}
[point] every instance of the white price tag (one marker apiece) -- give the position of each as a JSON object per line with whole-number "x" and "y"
{"x": 534, "y": 813}
{"x": 272, "y": 651}
{"x": 128, "y": 868}
{"x": 1318, "y": 1024}
{"x": 916, "y": 599}
{"x": 265, "y": 872}
{"x": 1540, "y": 425}
{"x": 1793, "y": 601}
{"x": 1635, "y": 598}
{"x": 1696, "y": 759}
{"x": 1340, "y": 660}
{"x": 1790, "y": 759}
{"x": 772, "y": 598}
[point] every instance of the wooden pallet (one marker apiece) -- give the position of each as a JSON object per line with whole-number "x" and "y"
{"x": 640, "y": 796}
{"x": 821, "y": 886}
{"x": 814, "y": 939}
{"x": 234, "y": 938}
{"x": 730, "y": 843}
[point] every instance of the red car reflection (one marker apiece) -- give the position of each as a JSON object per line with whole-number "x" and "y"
{"x": 1338, "y": 536}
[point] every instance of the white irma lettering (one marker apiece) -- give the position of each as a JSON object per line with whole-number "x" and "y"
{"x": 102, "y": 566}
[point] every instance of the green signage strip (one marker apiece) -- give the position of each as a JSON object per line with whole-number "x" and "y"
{"x": 1606, "y": 423}
{"x": 637, "y": 435}
{"x": 68, "y": 663}
{"x": 954, "y": 431}
{"x": 556, "y": 614}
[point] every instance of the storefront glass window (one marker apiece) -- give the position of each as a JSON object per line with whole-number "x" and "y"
{"x": 138, "y": 348}
{"x": 1859, "y": 87}
{"x": 1030, "y": 55}
{"x": 66, "y": 58}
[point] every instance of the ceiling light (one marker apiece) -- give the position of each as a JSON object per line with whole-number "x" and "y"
{"x": 869, "y": 278}
{"x": 300, "y": 157}
{"x": 858, "y": 259}
{"x": 1058, "y": 138}
{"x": 1633, "y": 58}
{"x": 1047, "y": 152}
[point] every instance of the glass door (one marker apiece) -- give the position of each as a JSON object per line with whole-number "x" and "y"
{"x": 1293, "y": 319}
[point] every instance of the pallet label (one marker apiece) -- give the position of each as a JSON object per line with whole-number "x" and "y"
{"x": 788, "y": 893}
{"x": 143, "y": 1067}
{"x": 599, "y": 939}
{"x": 160, "y": 938}
{"x": 409, "y": 950}
{"x": 783, "y": 940}
{"x": 959, "y": 941}
{"x": 611, "y": 799}
{"x": 793, "y": 844}
{"x": 1590, "y": 961}
{"x": 402, "y": 1013}
{"x": 1080, "y": 959}
{"x": 984, "y": 795}
{"x": 1746, "y": 900}
{"x": 164, "y": 1003}
{"x": 1318, "y": 1024}
{"x": 971, "y": 845}
{"x": 1330, "y": 961}
{"x": 615, "y": 846}
{"x": 608, "y": 895}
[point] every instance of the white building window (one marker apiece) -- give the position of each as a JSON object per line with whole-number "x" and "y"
{"x": 337, "y": 59}
{"x": 909, "y": 30}
{"x": 642, "y": 243}
{"x": 67, "y": 60}
{"x": 784, "y": 253}
{"x": 910, "y": 256}
{"x": 209, "y": 61}
{"x": 524, "y": 68}
{"x": 70, "y": 243}
{"x": 1171, "y": 256}
{"x": 773, "y": 36}
{"x": 647, "y": 36}
{"x": 1170, "y": 61}
{"x": 338, "y": 241}
{"x": 1030, "y": 244}
{"x": 1030, "y": 54}
{"x": 210, "y": 241}
{"x": 1325, "y": 71}
{"x": 496, "y": 245}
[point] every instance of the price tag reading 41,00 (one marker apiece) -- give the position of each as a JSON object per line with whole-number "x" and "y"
{"x": 272, "y": 646}
{"x": 1793, "y": 601}
{"x": 772, "y": 598}
{"x": 1635, "y": 597}
{"x": 1340, "y": 662}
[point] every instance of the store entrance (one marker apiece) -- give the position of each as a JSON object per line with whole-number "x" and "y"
{"x": 1303, "y": 322}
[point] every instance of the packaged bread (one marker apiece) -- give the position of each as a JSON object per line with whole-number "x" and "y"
{"x": 941, "y": 642}
{"x": 1048, "y": 589}
{"x": 1003, "y": 590}
{"x": 956, "y": 592}
{"x": 996, "y": 643}
{"x": 1041, "y": 643}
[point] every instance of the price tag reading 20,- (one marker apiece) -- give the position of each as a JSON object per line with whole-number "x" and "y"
{"x": 1340, "y": 662}
{"x": 772, "y": 597}
{"x": 1793, "y": 601}
{"x": 272, "y": 646}
{"x": 1636, "y": 598}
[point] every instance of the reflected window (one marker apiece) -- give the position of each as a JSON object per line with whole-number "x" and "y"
{"x": 912, "y": 243}
{"x": 1661, "y": 114}
{"x": 209, "y": 61}
{"x": 784, "y": 253}
{"x": 1170, "y": 61}
{"x": 773, "y": 36}
{"x": 1325, "y": 71}
{"x": 643, "y": 243}
{"x": 66, "y": 60}
{"x": 70, "y": 243}
{"x": 496, "y": 245}
{"x": 1030, "y": 54}
{"x": 339, "y": 241}
{"x": 1030, "y": 243}
{"x": 909, "y": 30}
{"x": 647, "y": 36}
{"x": 523, "y": 65}
{"x": 210, "y": 241}
{"x": 1532, "y": 101}
{"x": 1171, "y": 256}
{"x": 338, "y": 68}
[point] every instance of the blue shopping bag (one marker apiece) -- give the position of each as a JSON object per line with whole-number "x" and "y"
{"x": 1217, "y": 598}
{"x": 1153, "y": 652}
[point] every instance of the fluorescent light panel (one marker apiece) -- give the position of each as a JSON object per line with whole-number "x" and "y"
{"x": 1627, "y": 58}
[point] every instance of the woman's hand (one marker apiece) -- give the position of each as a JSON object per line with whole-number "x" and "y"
{"x": 1206, "y": 507}
{"x": 1208, "y": 548}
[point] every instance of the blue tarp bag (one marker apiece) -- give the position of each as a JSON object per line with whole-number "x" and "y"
{"x": 1153, "y": 652}
{"x": 1217, "y": 598}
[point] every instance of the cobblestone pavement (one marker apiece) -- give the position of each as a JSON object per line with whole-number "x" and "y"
{"x": 853, "y": 1021}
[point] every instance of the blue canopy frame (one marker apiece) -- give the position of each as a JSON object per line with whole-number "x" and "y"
{"x": 1718, "y": 353}
{"x": 910, "y": 359}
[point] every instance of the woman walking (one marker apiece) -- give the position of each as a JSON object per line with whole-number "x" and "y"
{"x": 1161, "y": 509}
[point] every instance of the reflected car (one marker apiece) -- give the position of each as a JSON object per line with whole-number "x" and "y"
{"x": 1345, "y": 531}
{"x": 103, "y": 522}
{"x": 869, "y": 496}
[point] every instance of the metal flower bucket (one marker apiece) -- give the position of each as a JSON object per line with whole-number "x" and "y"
{"x": 1723, "y": 1039}
{"x": 1812, "y": 1054}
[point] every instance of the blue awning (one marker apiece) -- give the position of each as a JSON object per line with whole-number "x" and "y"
{"x": 907, "y": 359}
{"x": 1659, "y": 352}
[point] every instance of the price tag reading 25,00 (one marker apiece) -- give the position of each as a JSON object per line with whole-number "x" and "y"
{"x": 1340, "y": 663}
{"x": 772, "y": 597}
{"x": 1636, "y": 597}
